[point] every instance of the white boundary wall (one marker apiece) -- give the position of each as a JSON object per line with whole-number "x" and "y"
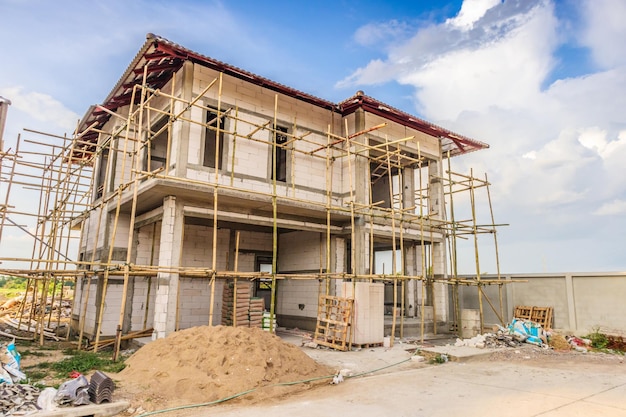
{"x": 582, "y": 301}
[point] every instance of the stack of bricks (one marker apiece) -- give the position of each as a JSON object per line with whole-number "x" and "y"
{"x": 257, "y": 305}
{"x": 242, "y": 306}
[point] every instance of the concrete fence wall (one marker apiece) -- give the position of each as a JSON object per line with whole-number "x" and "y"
{"x": 582, "y": 302}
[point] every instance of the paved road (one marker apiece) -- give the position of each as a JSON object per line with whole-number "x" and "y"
{"x": 477, "y": 388}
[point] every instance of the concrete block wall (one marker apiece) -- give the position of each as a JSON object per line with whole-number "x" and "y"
{"x": 90, "y": 230}
{"x": 246, "y": 262}
{"x": 112, "y": 305}
{"x": 600, "y": 302}
{"x": 252, "y": 159}
{"x": 79, "y": 302}
{"x": 582, "y": 302}
{"x": 123, "y": 228}
{"x": 196, "y": 135}
{"x": 148, "y": 243}
{"x": 198, "y": 247}
{"x": 143, "y": 302}
{"x": 257, "y": 241}
{"x": 300, "y": 251}
{"x": 195, "y": 300}
{"x": 292, "y": 293}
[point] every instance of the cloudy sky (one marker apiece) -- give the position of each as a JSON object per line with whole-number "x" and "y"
{"x": 543, "y": 82}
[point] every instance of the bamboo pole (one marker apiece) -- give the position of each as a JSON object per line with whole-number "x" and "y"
{"x": 215, "y": 197}
{"x": 235, "y": 280}
{"x": 328, "y": 174}
{"x": 453, "y": 254}
{"x": 131, "y": 232}
{"x": 422, "y": 248}
{"x": 152, "y": 251}
{"x": 105, "y": 280}
{"x": 274, "y": 215}
{"x": 495, "y": 242}
{"x": 352, "y": 222}
{"x": 480, "y": 298}
{"x": 402, "y": 254}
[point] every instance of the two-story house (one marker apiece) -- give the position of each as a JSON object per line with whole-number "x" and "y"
{"x": 204, "y": 172}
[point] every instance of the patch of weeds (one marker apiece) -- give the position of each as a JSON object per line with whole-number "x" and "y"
{"x": 439, "y": 359}
{"x": 84, "y": 362}
{"x": 28, "y": 352}
{"x": 36, "y": 375}
{"x": 39, "y": 385}
{"x": 42, "y": 365}
{"x": 598, "y": 340}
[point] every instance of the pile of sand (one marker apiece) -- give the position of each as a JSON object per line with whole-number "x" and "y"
{"x": 203, "y": 364}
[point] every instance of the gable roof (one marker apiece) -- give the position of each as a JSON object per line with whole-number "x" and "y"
{"x": 161, "y": 58}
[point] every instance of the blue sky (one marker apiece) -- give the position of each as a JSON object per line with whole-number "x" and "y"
{"x": 541, "y": 81}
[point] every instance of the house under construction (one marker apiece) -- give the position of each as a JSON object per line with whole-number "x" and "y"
{"x": 198, "y": 186}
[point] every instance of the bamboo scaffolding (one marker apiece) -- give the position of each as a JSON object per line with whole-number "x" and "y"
{"x": 67, "y": 197}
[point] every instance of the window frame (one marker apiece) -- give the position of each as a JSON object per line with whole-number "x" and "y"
{"x": 210, "y": 136}
{"x": 279, "y": 154}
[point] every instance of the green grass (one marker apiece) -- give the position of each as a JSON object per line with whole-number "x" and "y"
{"x": 84, "y": 362}
{"x": 28, "y": 352}
{"x": 79, "y": 361}
{"x": 598, "y": 340}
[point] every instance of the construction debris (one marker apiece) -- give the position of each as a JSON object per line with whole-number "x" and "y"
{"x": 74, "y": 392}
{"x": 513, "y": 335}
{"x": 18, "y": 399}
{"x": 21, "y": 314}
{"x": 100, "y": 388}
{"x": 10, "y": 365}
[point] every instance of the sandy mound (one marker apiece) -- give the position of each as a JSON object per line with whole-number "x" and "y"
{"x": 205, "y": 363}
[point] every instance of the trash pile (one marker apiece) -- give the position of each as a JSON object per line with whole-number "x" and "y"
{"x": 10, "y": 360}
{"x": 516, "y": 333}
{"x": 57, "y": 313}
{"x": 22, "y": 399}
{"x": 18, "y": 399}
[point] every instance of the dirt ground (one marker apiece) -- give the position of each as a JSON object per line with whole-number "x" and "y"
{"x": 357, "y": 363}
{"x": 205, "y": 364}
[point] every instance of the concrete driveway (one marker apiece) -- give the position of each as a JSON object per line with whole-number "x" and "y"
{"x": 483, "y": 387}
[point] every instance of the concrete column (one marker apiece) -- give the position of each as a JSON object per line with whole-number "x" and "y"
{"x": 436, "y": 207}
{"x": 361, "y": 195}
{"x": 571, "y": 303}
{"x": 169, "y": 255}
{"x": 180, "y": 135}
{"x": 410, "y": 300}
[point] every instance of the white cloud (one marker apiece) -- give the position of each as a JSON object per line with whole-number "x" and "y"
{"x": 605, "y": 31}
{"x": 41, "y": 107}
{"x": 558, "y": 150}
{"x": 471, "y": 11}
{"x": 380, "y": 33}
{"x": 595, "y": 139}
{"x": 501, "y": 61}
{"x": 614, "y": 207}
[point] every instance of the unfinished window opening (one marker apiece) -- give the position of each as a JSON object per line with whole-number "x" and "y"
{"x": 263, "y": 286}
{"x": 103, "y": 162}
{"x": 279, "y": 156}
{"x": 381, "y": 182}
{"x": 213, "y": 144}
{"x": 383, "y": 265}
{"x": 156, "y": 148}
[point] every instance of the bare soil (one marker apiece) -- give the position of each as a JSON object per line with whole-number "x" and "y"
{"x": 204, "y": 364}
